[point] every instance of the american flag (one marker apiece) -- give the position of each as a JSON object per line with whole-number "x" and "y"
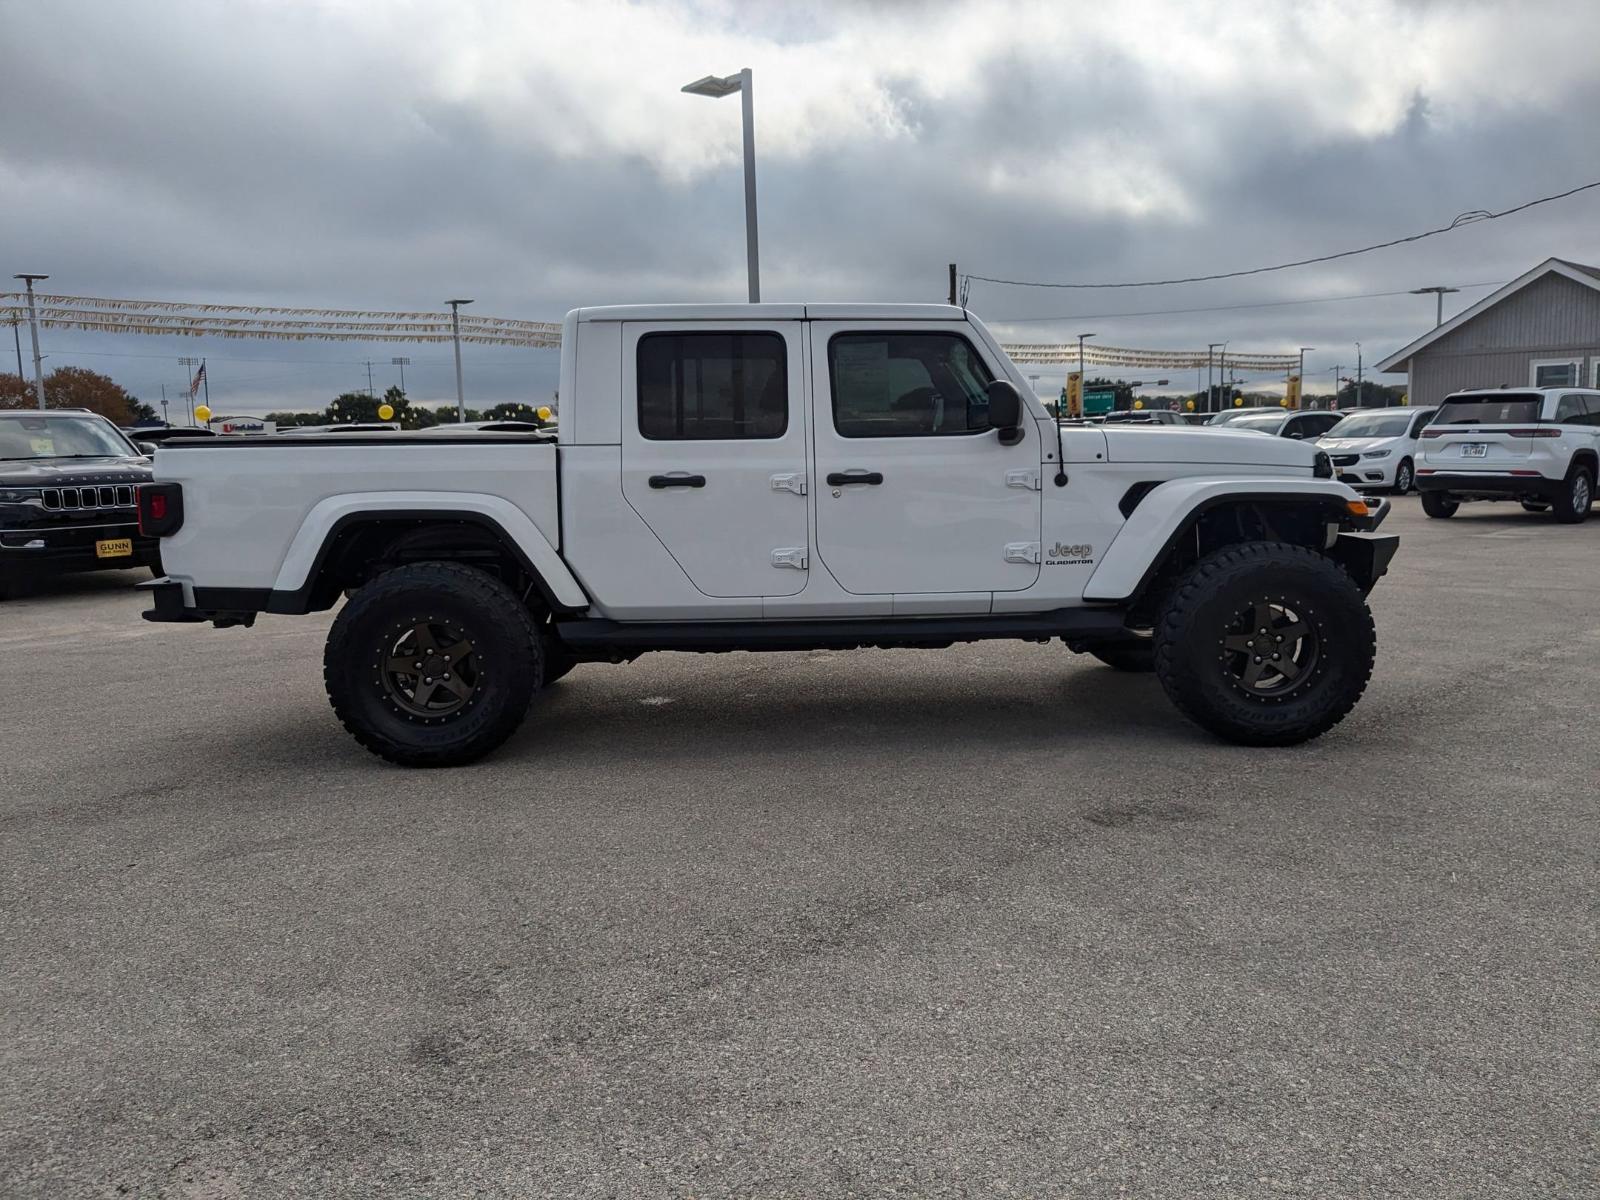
{"x": 199, "y": 379}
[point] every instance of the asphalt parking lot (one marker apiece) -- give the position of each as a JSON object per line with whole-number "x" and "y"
{"x": 991, "y": 921}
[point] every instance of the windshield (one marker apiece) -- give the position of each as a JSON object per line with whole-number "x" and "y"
{"x": 1496, "y": 408}
{"x": 1265, "y": 422}
{"x": 1373, "y": 425}
{"x": 61, "y": 435}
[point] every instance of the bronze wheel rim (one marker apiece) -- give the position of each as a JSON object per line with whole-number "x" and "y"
{"x": 429, "y": 669}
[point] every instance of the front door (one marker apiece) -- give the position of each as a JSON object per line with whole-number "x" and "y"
{"x": 915, "y": 493}
{"x": 714, "y": 451}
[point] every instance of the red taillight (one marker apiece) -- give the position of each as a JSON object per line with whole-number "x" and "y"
{"x": 160, "y": 508}
{"x": 1532, "y": 433}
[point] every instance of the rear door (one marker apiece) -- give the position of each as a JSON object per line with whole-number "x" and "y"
{"x": 1484, "y": 431}
{"x": 714, "y": 450}
{"x": 915, "y": 493}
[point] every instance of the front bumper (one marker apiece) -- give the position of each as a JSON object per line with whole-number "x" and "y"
{"x": 44, "y": 548}
{"x": 1488, "y": 485}
{"x": 1364, "y": 473}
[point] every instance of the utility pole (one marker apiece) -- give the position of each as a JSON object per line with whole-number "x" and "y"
{"x": 1222, "y": 377}
{"x": 1337, "y": 367}
{"x": 952, "y": 284}
{"x": 164, "y": 404}
{"x": 455, "y": 330}
{"x": 1211, "y": 395}
{"x": 369, "y": 379}
{"x": 16, "y": 336}
{"x": 33, "y": 328}
{"x": 1439, "y": 295}
{"x": 402, "y": 363}
{"x": 1359, "y": 394}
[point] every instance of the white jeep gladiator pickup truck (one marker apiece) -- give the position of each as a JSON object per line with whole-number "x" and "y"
{"x": 777, "y": 477}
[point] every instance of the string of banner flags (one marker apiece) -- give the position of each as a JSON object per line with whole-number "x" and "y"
{"x": 169, "y": 318}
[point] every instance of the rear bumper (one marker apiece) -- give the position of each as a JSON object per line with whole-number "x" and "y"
{"x": 221, "y": 606}
{"x": 1469, "y": 485}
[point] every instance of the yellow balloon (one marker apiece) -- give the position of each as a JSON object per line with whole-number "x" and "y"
{"x": 1238, "y": 402}
{"x": 202, "y": 413}
{"x": 543, "y": 412}
{"x": 1284, "y": 403}
{"x": 1189, "y": 404}
{"x": 385, "y": 412}
{"x": 1138, "y": 404}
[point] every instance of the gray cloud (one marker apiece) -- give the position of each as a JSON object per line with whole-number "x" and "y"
{"x": 540, "y": 158}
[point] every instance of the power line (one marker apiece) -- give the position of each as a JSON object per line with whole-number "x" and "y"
{"x": 1167, "y": 312}
{"x": 1466, "y": 218}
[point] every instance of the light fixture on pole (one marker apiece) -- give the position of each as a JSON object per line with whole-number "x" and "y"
{"x": 455, "y": 331}
{"x": 402, "y": 363}
{"x": 33, "y": 328}
{"x": 1438, "y": 308}
{"x": 1082, "y": 337}
{"x": 716, "y": 87}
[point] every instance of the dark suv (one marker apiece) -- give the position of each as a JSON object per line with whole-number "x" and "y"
{"x": 66, "y": 497}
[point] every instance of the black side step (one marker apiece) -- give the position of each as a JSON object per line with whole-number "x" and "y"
{"x": 844, "y": 634}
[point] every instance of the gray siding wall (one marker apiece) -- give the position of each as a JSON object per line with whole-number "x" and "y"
{"x": 1552, "y": 318}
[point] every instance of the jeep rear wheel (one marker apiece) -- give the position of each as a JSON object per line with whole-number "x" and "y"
{"x": 1265, "y": 644}
{"x": 1439, "y": 504}
{"x": 1571, "y": 503}
{"x": 432, "y": 664}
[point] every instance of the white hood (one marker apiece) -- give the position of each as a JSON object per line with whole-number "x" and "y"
{"x": 1355, "y": 445}
{"x": 1205, "y": 444}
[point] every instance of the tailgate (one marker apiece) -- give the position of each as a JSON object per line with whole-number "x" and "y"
{"x": 1484, "y": 431}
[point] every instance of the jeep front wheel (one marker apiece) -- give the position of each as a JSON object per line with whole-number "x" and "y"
{"x": 1265, "y": 644}
{"x": 432, "y": 664}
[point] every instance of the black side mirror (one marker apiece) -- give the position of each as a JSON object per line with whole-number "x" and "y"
{"x": 145, "y": 448}
{"x": 1005, "y": 411}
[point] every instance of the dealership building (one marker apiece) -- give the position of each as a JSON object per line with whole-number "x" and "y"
{"x": 1540, "y": 330}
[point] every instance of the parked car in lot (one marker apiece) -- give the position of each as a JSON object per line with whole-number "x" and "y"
{"x": 67, "y": 479}
{"x": 1539, "y": 446}
{"x": 778, "y": 477}
{"x": 1145, "y": 416}
{"x": 1279, "y": 422}
{"x": 1229, "y": 415}
{"x": 1377, "y": 447}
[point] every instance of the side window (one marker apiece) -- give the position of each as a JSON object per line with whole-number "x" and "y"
{"x": 713, "y": 386}
{"x": 907, "y": 385}
{"x": 1571, "y": 410}
{"x": 1417, "y": 425}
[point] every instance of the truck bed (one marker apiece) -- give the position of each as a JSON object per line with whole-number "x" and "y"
{"x": 259, "y": 509}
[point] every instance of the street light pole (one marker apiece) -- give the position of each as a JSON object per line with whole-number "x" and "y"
{"x": 33, "y": 328}
{"x": 455, "y": 331}
{"x": 1211, "y": 396}
{"x": 1439, "y": 295}
{"x": 717, "y": 86}
{"x": 1082, "y": 337}
{"x": 1359, "y": 396}
{"x": 1303, "y": 350}
{"x": 16, "y": 336}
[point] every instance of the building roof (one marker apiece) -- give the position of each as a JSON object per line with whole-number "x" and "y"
{"x": 1577, "y": 272}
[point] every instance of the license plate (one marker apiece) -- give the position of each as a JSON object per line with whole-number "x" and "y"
{"x": 113, "y": 548}
{"x": 1474, "y": 449}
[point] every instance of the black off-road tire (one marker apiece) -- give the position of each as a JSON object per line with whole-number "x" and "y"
{"x": 1570, "y": 505}
{"x": 1128, "y": 656}
{"x": 456, "y": 604}
{"x": 1439, "y": 504}
{"x": 1202, "y": 626}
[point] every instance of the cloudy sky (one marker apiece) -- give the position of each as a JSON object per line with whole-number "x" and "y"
{"x": 538, "y": 156}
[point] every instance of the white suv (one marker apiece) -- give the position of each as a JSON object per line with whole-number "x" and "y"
{"x": 1377, "y": 447}
{"x": 1537, "y": 445}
